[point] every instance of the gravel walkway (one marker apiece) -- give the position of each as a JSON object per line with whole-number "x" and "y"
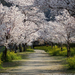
{"x": 38, "y": 63}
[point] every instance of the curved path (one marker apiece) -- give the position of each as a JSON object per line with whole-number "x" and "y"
{"x": 38, "y": 63}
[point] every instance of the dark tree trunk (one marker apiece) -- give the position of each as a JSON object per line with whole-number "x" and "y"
{"x": 24, "y": 47}
{"x": 4, "y": 56}
{"x": 9, "y": 45}
{"x": 68, "y": 49}
{"x": 15, "y": 48}
{"x": 68, "y": 45}
{"x": 5, "y": 51}
{"x": 51, "y": 44}
{"x": 20, "y": 48}
{"x": 61, "y": 47}
{"x": 15, "y": 51}
{"x": 32, "y": 46}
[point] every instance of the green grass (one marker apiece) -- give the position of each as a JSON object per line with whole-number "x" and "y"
{"x": 10, "y": 56}
{"x": 71, "y": 62}
{"x": 56, "y": 51}
{"x": 43, "y": 48}
{"x": 29, "y": 50}
{"x": 73, "y": 51}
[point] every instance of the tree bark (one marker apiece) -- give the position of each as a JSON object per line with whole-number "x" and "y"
{"x": 24, "y": 47}
{"x": 15, "y": 48}
{"x": 4, "y": 56}
{"x": 68, "y": 49}
{"x": 68, "y": 45}
{"x": 61, "y": 47}
{"x": 51, "y": 44}
{"x": 20, "y": 48}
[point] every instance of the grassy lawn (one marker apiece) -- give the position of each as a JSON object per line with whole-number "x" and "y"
{"x": 16, "y": 62}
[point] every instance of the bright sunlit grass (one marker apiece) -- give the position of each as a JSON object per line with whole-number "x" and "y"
{"x": 10, "y": 56}
{"x": 71, "y": 62}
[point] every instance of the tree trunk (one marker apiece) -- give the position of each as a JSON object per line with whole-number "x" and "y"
{"x": 20, "y": 48}
{"x": 61, "y": 47}
{"x": 5, "y": 53}
{"x": 24, "y": 47}
{"x": 4, "y": 56}
{"x": 32, "y": 46}
{"x": 68, "y": 45}
{"x": 51, "y": 44}
{"x": 15, "y": 48}
{"x": 68, "y": 49}
{"x": 15, "y": 51}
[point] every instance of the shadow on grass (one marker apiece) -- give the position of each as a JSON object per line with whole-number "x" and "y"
{"x": 11, "y": 64}
{"x": 24, "y": 55}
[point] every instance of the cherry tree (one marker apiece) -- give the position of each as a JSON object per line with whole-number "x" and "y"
{"x": 68, "y": 25}
{"x": 4, "y": 32}
{"x": 27, "y": 20}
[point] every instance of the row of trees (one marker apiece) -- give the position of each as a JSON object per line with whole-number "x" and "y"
{"x": 26, "y": 21}
{"x": 18, "y": 26}
{"x": 61, "y": 31}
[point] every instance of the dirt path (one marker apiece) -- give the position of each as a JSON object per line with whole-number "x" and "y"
{"x": 38, "y": 63}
